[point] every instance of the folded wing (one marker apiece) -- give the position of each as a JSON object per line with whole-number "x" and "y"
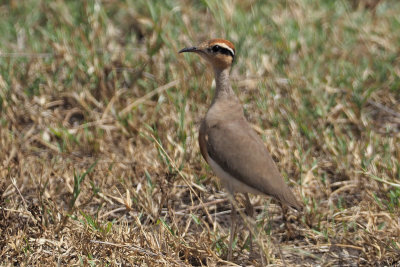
{"x": 235, "y": 147}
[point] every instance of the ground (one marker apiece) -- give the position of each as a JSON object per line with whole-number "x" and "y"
{"x": 99, "y": 118}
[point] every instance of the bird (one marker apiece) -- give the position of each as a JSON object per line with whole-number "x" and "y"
{"x": 228, "y": 143}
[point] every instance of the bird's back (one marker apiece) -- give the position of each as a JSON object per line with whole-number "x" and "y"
{"x": 231, "y": 143}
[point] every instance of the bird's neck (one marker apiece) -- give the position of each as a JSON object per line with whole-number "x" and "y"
{"x": 223, "y": 86}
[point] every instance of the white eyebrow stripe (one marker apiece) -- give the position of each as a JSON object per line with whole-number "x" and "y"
{"x": 226, "y": 47}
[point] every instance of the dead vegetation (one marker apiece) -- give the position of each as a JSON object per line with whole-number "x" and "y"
{"x": 99, "y": 160}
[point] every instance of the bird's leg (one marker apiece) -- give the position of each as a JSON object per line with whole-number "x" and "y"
{"x": 233, "y": 226}
{"x": 250, "y": 213}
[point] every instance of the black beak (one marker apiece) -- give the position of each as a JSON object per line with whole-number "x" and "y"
{"x": 189, "y": 49}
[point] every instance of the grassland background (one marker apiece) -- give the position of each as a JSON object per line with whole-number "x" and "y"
{"x": 99, "y": 162}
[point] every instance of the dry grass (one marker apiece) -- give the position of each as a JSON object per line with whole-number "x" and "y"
{"x": 99, "y": 162}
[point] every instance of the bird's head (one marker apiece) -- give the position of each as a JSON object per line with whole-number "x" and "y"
{"x": 219, "y": 52}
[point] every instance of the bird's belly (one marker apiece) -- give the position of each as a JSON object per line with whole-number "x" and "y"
{"x": 229, "y": 182}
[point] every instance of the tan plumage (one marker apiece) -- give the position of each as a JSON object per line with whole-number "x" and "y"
{"x": 228, "y": 143}
{"x": 234, "y": 146}
{"x": 227, "y": 138}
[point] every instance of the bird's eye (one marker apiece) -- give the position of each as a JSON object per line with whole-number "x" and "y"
{"x": 216, "y": 48}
